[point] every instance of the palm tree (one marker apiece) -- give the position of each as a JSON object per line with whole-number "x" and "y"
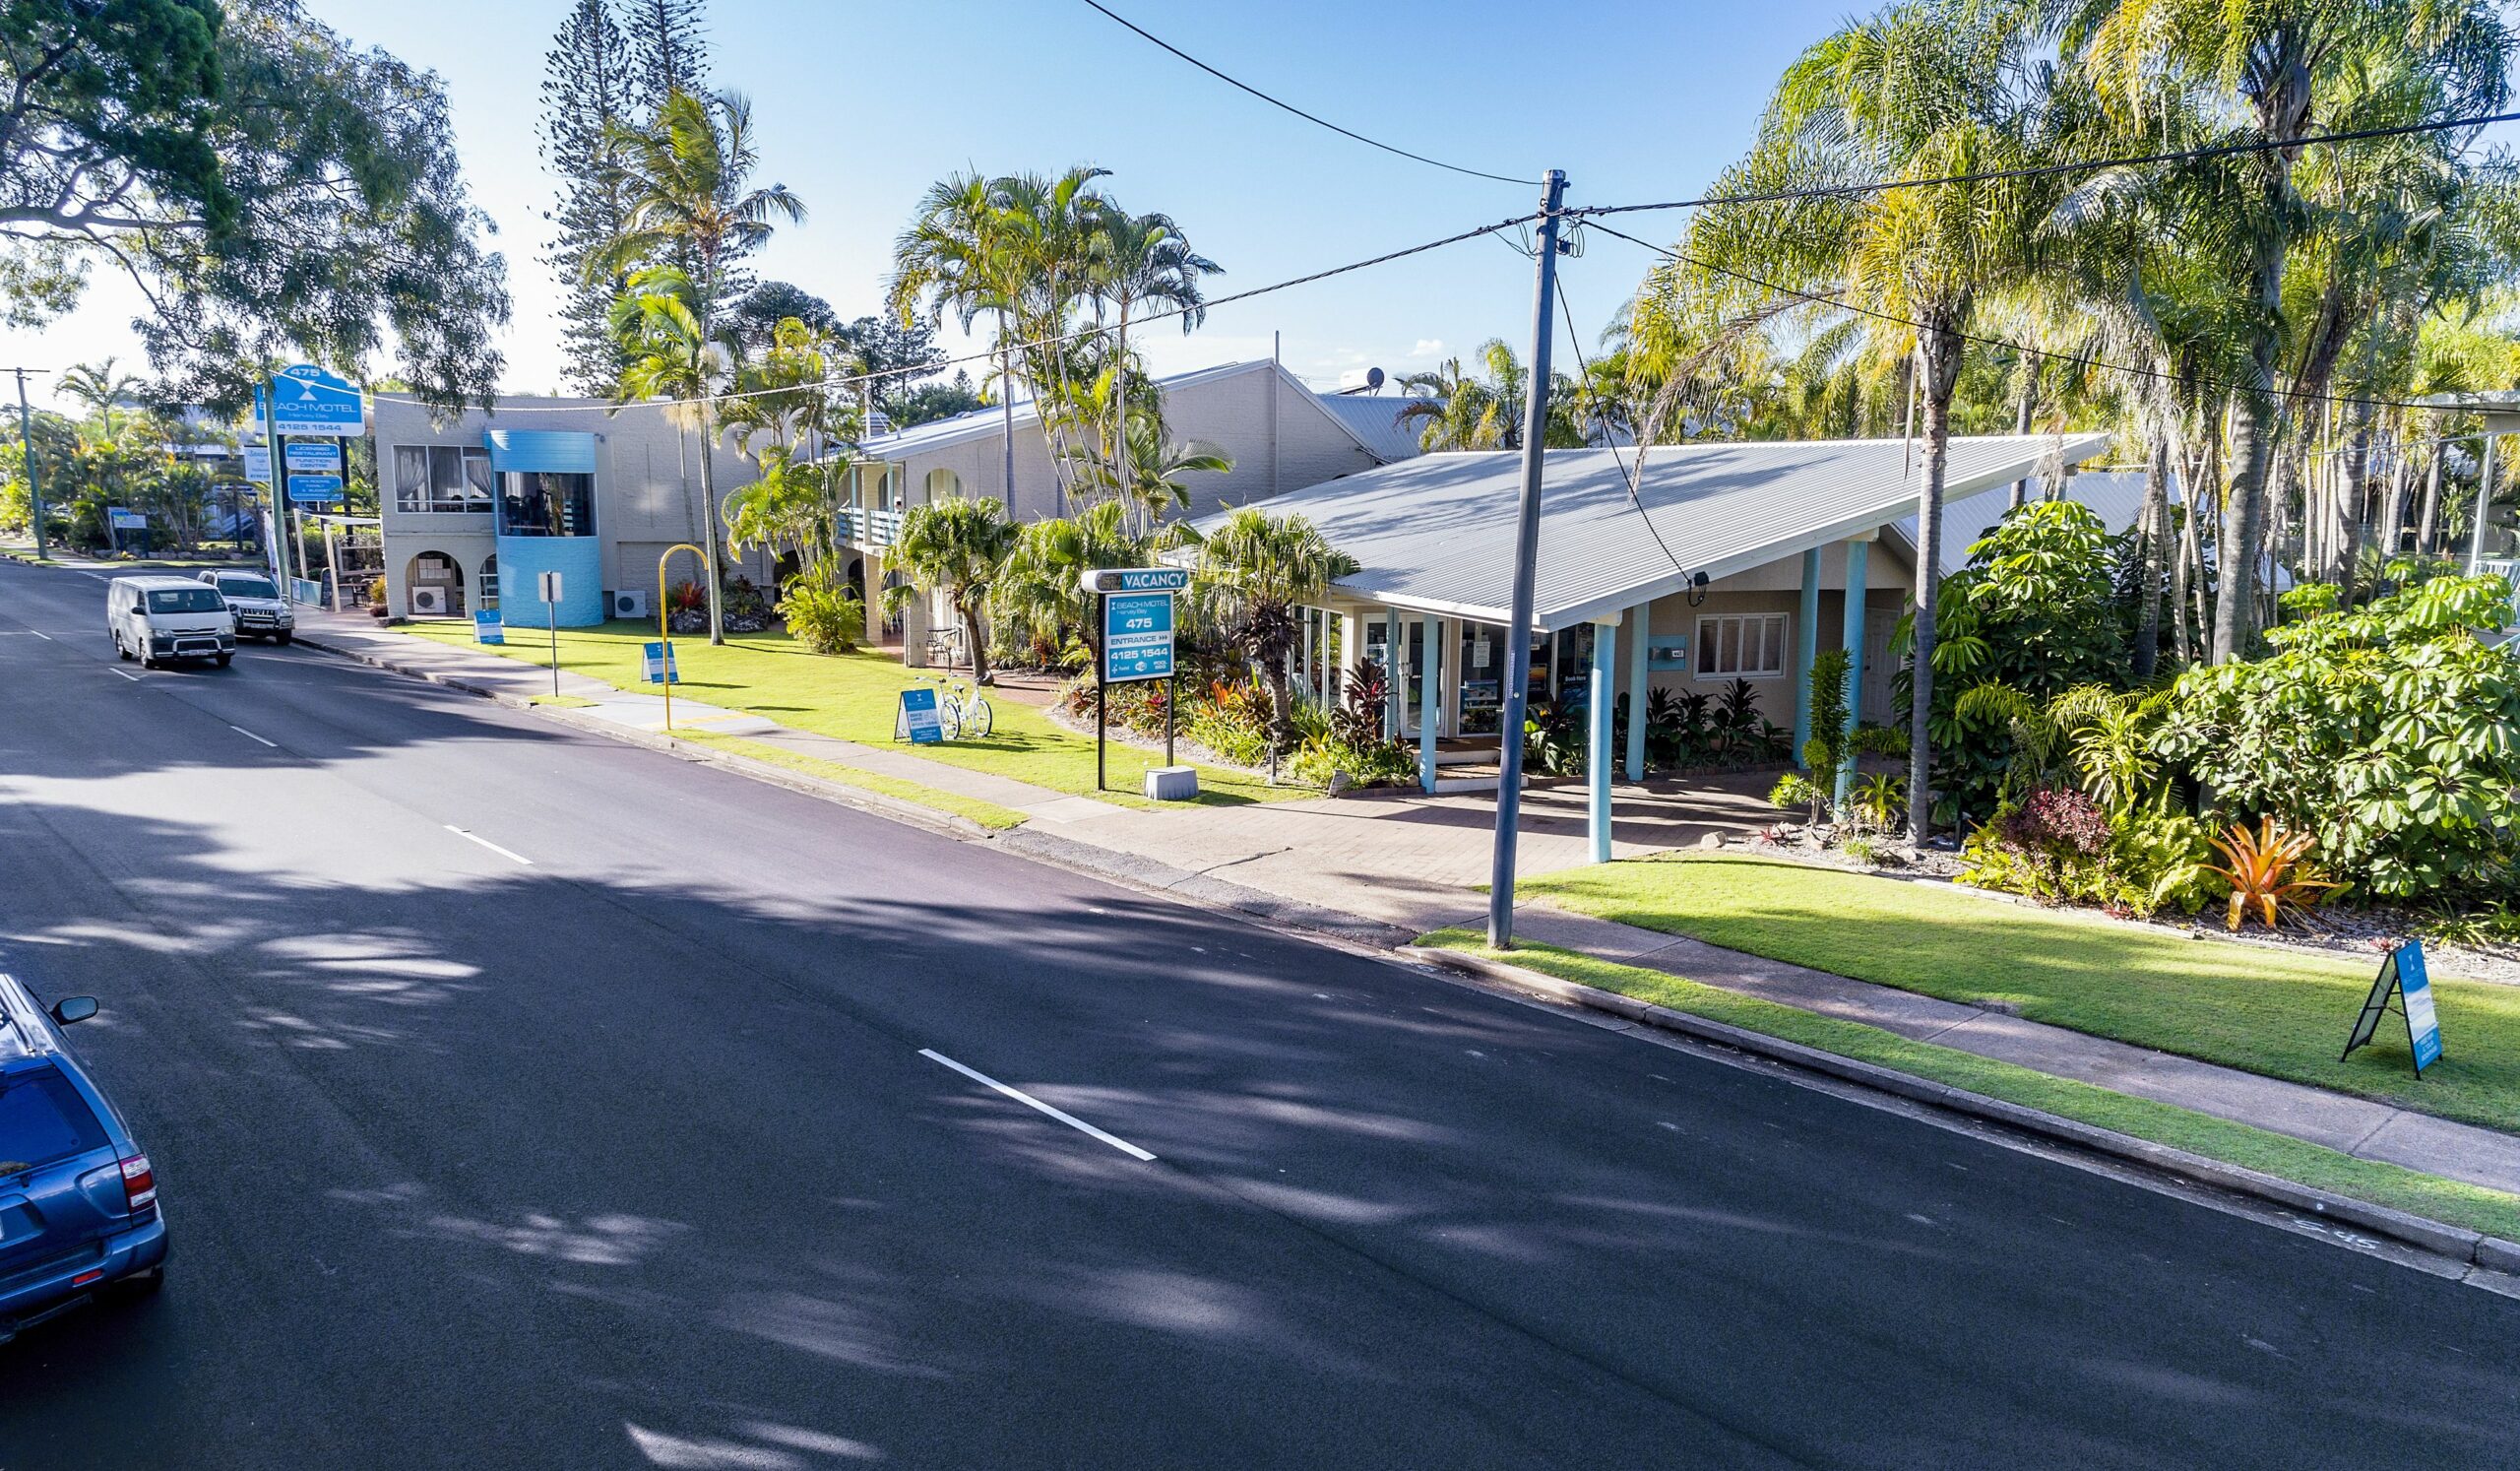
{"x": 101, "y": 389}
{"x": 962, "y": 254}
{"x": 1926, "y": 90}
{"x": 1255, "y": 573}
{"x": 955, "y": 547}
{"x": 1135, "y": 261}
{"x": 2274, "y": 71}
{"x": 1459, "y": 412}
{"x": 667, "y": 354}
{"x": 689, "y": 172}
{"x": 1040, "y": 586}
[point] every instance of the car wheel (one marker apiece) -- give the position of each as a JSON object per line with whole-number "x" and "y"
{"x": 281, "y": 639}
{"x": 145, "y": 1284}
{"x": 224, "y": 658}
{"x": 120, "y": 652}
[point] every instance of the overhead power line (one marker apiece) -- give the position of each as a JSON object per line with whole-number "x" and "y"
{"x": 927, "y": 369}
{"x": 1287, "y": 106}
{"x": 2079, "y": 166}
{"x": 2071, "y": 359}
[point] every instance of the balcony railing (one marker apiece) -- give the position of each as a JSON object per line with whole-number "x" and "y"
{"x": 866, "y": 528}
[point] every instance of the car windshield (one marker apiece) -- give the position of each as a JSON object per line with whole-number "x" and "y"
{"x": 247, "y": 587}
{"x": 184, "y": 600}
{"x": 43, "y": 1119}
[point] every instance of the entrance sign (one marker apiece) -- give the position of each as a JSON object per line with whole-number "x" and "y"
{"x": 258, "y": 464}
{"x": 2403, "y": 974}
{"x": 917, "y": 722}
{"x": 314, "y": 489}
{"x": 1137, "y": 579}
{"x": 549, "y": 585}
{"x": 126, "y": 519}
{"x": 306, "y": 400}
{"x": 312, "y": 459}
{"x": 486, "y": 627}
{"x": 1137, "y": 636}
{"x": 657, "y": 663}
{"x": 1136, "y": 618}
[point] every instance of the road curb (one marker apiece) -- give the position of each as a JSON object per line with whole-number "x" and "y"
{"x": 2456, "y": 1242}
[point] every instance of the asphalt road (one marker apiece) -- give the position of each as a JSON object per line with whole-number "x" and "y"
{"x": 518, "y": 1098}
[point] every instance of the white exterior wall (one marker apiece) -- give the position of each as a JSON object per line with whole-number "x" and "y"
{"x": 647, "y": 491}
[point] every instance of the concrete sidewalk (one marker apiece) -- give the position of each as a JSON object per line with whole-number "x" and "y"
{"x": 1386, "y": 864}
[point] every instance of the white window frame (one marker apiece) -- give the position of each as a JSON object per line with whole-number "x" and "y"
{"x": 429, "y": 504}
{"x": 1709, "y": 634}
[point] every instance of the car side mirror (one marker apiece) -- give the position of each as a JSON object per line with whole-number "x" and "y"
{"x": 74, "y": 1009}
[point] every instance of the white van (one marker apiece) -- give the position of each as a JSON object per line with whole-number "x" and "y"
{"x": 169, "y": 617}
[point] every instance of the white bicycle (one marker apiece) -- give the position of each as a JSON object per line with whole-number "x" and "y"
{"x": 961, "y": 709}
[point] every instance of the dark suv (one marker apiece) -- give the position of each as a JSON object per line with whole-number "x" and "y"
{"x": 78, "y": 1201}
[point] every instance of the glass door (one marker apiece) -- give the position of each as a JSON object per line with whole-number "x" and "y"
{"x": 1483, "y": 679}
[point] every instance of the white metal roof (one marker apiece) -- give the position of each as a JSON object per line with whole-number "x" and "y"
{"x": 1375, "y": 421}
{"x": 1436, "y": 533}
{"x": 2115, "y": 497}
{"x": 989, "y": 422}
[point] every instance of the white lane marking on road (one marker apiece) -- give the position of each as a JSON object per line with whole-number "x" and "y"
{"x": 250, "y": 736}
{"x": 472, "y": 837}
{"x": 128, "y": 675}
{"x": 39, "y": 633}
{"x": 1029, "y": 1101}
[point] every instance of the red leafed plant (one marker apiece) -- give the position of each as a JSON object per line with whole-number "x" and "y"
{"x": 2268, "y": 872}
{"x": 687, "y": 597}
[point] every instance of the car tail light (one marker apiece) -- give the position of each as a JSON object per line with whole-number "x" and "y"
{"x": 139, "y": 1183}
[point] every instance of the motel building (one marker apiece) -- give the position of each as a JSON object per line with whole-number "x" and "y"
{"x": 1718, "y": 562}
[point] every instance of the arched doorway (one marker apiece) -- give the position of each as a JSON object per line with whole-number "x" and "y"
{"x": 433, "y": 586}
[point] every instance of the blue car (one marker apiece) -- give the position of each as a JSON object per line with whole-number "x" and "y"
{"x": 78, "y": 1201}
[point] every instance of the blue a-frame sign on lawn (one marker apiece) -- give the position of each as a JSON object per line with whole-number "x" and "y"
{"x": 2403, "y": 975}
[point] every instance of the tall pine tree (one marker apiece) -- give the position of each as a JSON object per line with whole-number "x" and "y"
{"x": 588, "y": 90}
{"x": 668, "y": 50}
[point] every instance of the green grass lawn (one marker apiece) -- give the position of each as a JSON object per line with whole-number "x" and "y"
{"x": 2430, "y": 1195}
{"x": 2267, "y": 1012}
{"x": 853, "y": 696}
{"x": 987, "y": 814}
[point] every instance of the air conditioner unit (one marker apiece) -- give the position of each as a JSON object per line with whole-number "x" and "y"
{"x": 429, "y": 600}
{"x": 629, "y": 604}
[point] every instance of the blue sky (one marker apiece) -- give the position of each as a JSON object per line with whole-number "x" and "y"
{"x": 861, "y": 107}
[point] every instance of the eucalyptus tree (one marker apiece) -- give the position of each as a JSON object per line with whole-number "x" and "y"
{"x": 692, "y": 202}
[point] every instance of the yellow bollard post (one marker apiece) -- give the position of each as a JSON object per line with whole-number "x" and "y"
{"x": 664, "y": 630}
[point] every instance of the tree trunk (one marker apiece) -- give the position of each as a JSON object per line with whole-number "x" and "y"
{"x": 971, "y": 639}
{"x": 2021, "y": 425}
{"x": 708, "y": 502}
{"x": 2386, "y": 536}
{"x": 2429, "y": 525}
{"x": 1120, "y": 416}
{"x": 1940, "y": 350}
{"x": 2150, "y": 525}
{"x": 2244, "y": 538}
{"x": 1006, "y": 414}
{"x": 2353, "y": 504}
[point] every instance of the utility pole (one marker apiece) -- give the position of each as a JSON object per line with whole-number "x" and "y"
{"x": 1518, "y": 638}
{"x": 27, "y": 440}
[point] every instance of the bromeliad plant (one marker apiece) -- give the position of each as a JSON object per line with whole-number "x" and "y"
{"x": 2268, "y": 872}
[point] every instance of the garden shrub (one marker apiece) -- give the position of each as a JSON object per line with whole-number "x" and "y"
{"x": 2035, "y": 611}
{"x": 2391, "y": 732}
{"x": 2061, "y": 847}
{"x": 822, "y": 618}
{"x": 744, "y": 607}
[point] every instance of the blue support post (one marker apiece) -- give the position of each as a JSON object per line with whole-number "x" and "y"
{"x": 1431, "y": 667}
{"x": 1806, "y": 646}
{"x": 1857, "y": 552}
{"x": 1598, "y": 760}
{"x": 1394, "y": 691}
{"x": 1642, "y": 617}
